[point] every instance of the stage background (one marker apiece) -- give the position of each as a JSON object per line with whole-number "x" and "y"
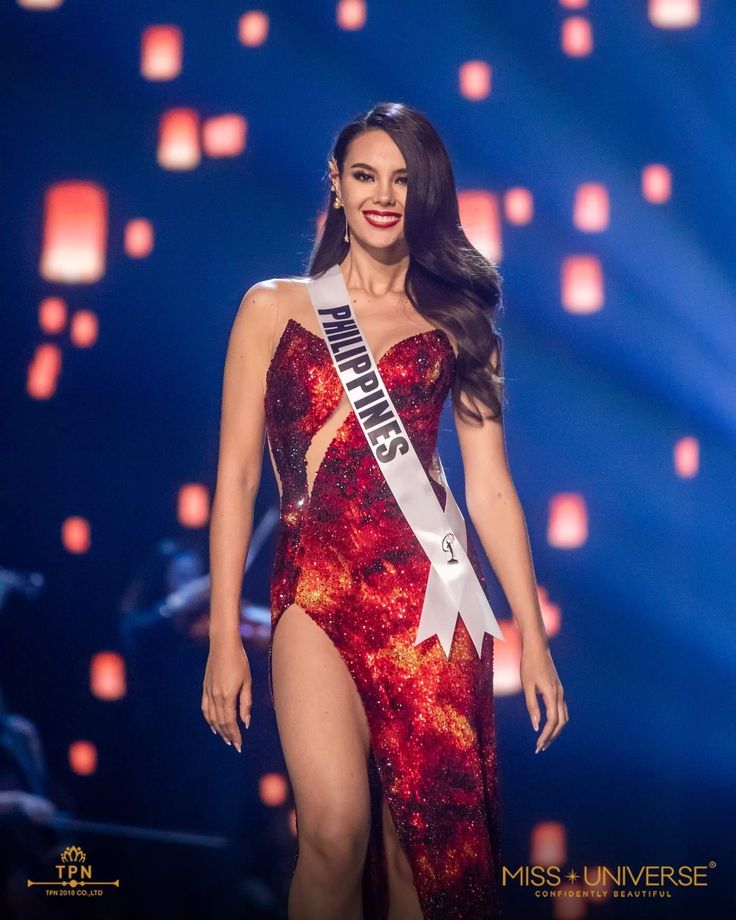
{"x": 593, "y": 151}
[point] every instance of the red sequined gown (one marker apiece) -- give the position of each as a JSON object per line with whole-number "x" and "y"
{"x": 346, "y": 555}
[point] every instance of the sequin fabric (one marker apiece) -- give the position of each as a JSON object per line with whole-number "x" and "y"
{"x": 348, "y": 557}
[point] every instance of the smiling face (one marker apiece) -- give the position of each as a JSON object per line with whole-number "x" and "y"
{"x": 373, "y": 190}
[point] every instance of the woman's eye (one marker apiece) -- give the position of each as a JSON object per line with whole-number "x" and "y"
{"x": 361, "y": 175}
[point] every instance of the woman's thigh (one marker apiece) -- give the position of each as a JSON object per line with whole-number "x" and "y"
{"x": 324, "y": 736}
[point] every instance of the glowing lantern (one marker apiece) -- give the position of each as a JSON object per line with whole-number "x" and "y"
{"x": 687, "y": 457}
{"x": 75, "y": 535}
{"x": 597, "y": 879}
{"x": 656, "y": 183}
{"x": 582, "y": 284}
{"x": 548, "y": 844}
{"x": 253, "y": 28}
{"x": 107, "y": 676}
{"x": 577, "y": 37}
{"x": 551, "y": 616}
{"x": 518, "y": 205}
{"x": 224, "y": 136}
{"x": 351, "y": 14}
{"x": 273, "y": 789}
{"x": 40, "y": 4}
{"x": 161, "y": 52}
{"x": 84, "y": 329}
{"x": 194, "y": 505}
{"x": 569, "y": 902}
{"x": 475, "y": 80}
{"x": 178, "y": 139}
{"x": 506, "y": 660}
{"x": 82, "y": 758}
{"x": 481, "y": 221}
{"x": 52, "y": 315}
{"x": 43, "y": 371}
{"x": 138, "y": 238}
{"x": 74, "y": 233}
{"x": 567, "y": 527}
{"x": 674, "y": 14}
{"x": 591, "y": 210}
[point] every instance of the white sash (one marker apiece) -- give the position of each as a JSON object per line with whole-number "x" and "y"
{"x": 452, "y": 585}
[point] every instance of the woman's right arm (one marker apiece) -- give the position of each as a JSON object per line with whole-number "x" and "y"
{"x": 227, "y": 680}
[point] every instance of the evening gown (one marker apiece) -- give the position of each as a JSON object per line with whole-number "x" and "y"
{"x": 346, "y": 554}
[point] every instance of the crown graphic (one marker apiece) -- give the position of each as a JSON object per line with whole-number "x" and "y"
{"x": 73, "y": 854}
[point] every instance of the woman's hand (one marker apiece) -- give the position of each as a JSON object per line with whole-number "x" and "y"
{"x": 539, "y": 675}
{"x": 227, "y": 682}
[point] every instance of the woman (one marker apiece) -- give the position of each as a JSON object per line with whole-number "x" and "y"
{"x": 389, "y": 743}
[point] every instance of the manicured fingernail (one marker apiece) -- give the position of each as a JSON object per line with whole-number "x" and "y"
{"x": 247, "y": 721}
{"x": 237, "y": 748}
{"x": 227, "y": 741}
{"x": 214, "y": 730}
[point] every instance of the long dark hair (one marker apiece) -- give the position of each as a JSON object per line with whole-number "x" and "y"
{"x": 448, "y": 280}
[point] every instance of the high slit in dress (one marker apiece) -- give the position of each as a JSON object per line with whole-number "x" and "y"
{"x": 348, "y": 557}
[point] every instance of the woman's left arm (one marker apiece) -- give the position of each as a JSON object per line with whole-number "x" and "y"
{"x": 495, "y": 510}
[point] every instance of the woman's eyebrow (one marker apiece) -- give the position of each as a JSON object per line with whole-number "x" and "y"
{"x": 366, "y": 166}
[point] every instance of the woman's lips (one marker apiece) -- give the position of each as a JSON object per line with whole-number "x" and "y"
{"x": 377, "y": 219}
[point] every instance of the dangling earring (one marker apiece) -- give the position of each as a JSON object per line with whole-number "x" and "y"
{"x": 338, "y": 202}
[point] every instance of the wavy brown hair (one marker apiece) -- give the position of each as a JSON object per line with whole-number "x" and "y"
{"x": 448, "y": 281}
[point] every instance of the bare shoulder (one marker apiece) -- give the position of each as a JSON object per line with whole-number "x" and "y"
{"x": 260, "y": 297}
{"x": 265, "y": 309}
{"x": 259, "y": 309}
{"x": 273, "y": 294}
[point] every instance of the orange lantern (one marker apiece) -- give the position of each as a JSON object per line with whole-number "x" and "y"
{"x": 107, "y": 676}
{"x": 548, "y": 845}
{"x": 518, "y": 205}
{"x": 656, "y": 183}
{"x": 178, "y": 139}
{"x": 224, "y": 135}
{"x": 567, "y": 526}
{"x": 577, "y": 37}
{"x": 83, "y": 758}
{"x": 591, "y": 210}
{"x": 43, "y": 371}
{"x": 194, "y": 505}
{"x": 138, "y": 242}
{"x": 506, "y": 661}
{"x": 84, "y": 329}
{"x": 253, "y": 28}
{"x": 475, "y": 80}
{"x": 687, "y": 457}
{"x": 582, "y": 284}
{"x": 161, "y": 52}
{"x": 40, "y": 4}
{"x": 74, "y": 233}
{"x": 674, "y": 14}
{"x": 351, "y": 14}
{"x": 481, "y": 221}
{"x": 273, "y": 789}
{"x": 52, "y": 315}
{"x": 75, "y": 535}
